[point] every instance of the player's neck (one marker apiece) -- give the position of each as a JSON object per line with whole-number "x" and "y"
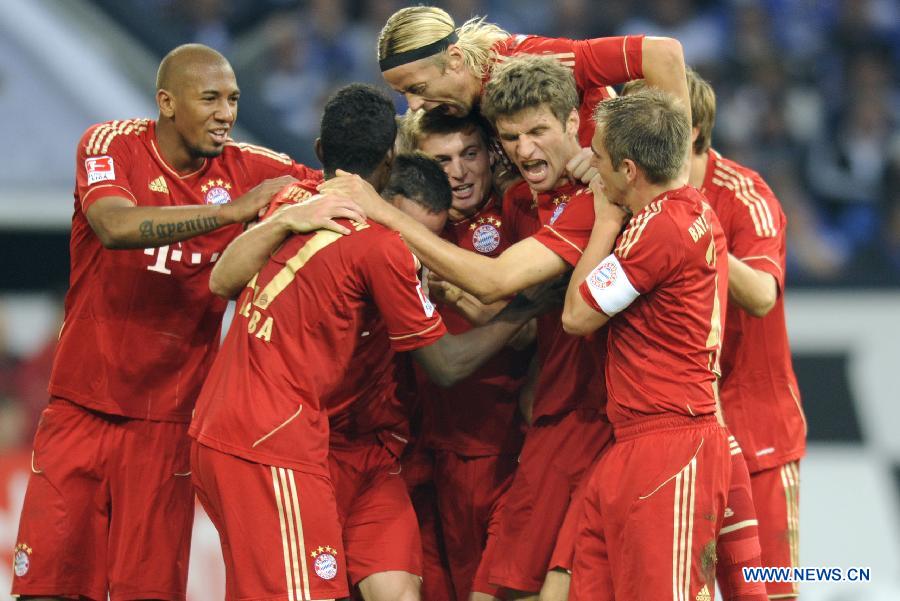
{"x": 173, "y": 150}
{"x": 698, "y": 169}
{"x": 456, "y": 215}
{"x": 644, "y": 193}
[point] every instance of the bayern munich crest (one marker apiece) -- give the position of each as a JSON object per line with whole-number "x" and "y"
{"x": 486, "y": 234}
{"x": 216, "y": 191}
{"x": 325, "y": 562}
{"x": 22, "y": 559}
{"x": 603, "y": 276}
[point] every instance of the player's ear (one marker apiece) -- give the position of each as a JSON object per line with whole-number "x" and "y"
{"x": 166, "y": 103}
{"x": 317, "y": 148}
{"x": 456, "y": 60}
{"x": 630, "y": 170}
{"x": 573, "y": 122}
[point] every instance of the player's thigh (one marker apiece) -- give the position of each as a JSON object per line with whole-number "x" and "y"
{"x": 555, "y": 457}
{"x": 284, "y": 539}
{"x": 381, "y": 531}
{"x": 64, "y": 517}
{"x": 394, "y": 585}
{"x": 152, "y": 510}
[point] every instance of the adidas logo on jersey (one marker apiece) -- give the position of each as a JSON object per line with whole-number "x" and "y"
{"x": 703, "y": 595}
{"x": 159, "y": 185}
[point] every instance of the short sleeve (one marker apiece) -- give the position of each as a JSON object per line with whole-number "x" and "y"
{"x": 650, "y": 251}
{"x": 390, "y": 270}
{"x": 102, "y": 165}
{"x": 569, "y": 229}
{"x": 755, "y": 227}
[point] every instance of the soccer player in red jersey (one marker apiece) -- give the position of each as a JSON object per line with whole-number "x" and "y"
{"x": 318, "y": 310}
{"x": 738, "y": 543}
{"x": 474, "y": 427}
{"x": 760, "y": 398}
{"x": 109, "y": 505}
{"x": 533, "y": 104}
{"x": 437, "y": 66}
{"x": 655, "y": 501}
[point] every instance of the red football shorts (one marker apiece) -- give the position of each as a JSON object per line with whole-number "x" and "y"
{"x": 279, "y": 528}
{"x": 109, "y": 507}
{"x": 469, "y": 490}
{"x": 652, "y": 511}
{"x": 380, "y": 529}
{"x": 436, "y": 581}
{"x": 557, "y": 454}
{"x": 776, "y": 495}
{"x": 564, "y": 552}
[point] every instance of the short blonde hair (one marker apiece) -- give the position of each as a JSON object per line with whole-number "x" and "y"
{"x": 649, "y": 127}
{"x": 528, "y": 81}
{"x": 417, "y": 26}
{"x": 703, "y": 106}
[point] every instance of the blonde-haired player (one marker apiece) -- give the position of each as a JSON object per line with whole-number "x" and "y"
{"x": 439, "y": 66}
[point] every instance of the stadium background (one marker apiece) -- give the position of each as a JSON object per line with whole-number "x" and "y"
{"x": 809, "y": 95}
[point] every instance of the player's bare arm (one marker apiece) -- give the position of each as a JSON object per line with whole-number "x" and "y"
{"x": 453, "y": 358}
{"x": 246, "y": 255}
{"x": 663, "y": 67}
{"x": 754, "y": 290}
{"x": 119, "y": 224}
{"x": 578, "y": 317}
{"x": 521, "y": 266}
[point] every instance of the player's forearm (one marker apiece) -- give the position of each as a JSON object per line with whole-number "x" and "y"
{"x": 245, "y": 256}
{"x": 146, "y": 227}
{"x": 454, "y": 358}
{"x": 470, "y": 271}
{"x": 663, "y": 67}
{"x": 578, "y": 317}
{"x": 476, "y": 312}
{"x": 753, "y": 290}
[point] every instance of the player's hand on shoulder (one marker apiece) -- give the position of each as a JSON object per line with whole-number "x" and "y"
{"x": 318, "y": 213}
{"x": 351, "y": 187}
{"x": 579, "y": 167}
{"x": 251, "y": 205}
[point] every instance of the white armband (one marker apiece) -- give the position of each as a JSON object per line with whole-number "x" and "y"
{"x": 610, "y": 287}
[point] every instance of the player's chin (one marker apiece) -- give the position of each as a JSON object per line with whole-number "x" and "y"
{"x": 209, "y": 151}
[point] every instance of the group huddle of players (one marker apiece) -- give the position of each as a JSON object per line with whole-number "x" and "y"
{"x": 526, "y": 341}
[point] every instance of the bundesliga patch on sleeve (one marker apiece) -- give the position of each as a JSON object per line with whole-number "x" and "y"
{"x": 610, "y": 286}
{"x": 99, "y": 169}
{"x": 426, "y": 302}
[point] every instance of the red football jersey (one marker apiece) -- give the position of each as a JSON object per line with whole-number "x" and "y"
{"x": 478, "y": 416}
{"x": 596, "y": 63}
{"x": 141, "y": 326}
{"x": 365, "y": 401}
{"x": 759, "y": 391}
{"x": 668, "y": 276}
{"x": 571, "y": 366}
{"x": 298, "y": 328}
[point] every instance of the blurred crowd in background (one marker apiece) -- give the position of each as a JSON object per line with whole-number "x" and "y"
{"x": 808, "y": 94}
